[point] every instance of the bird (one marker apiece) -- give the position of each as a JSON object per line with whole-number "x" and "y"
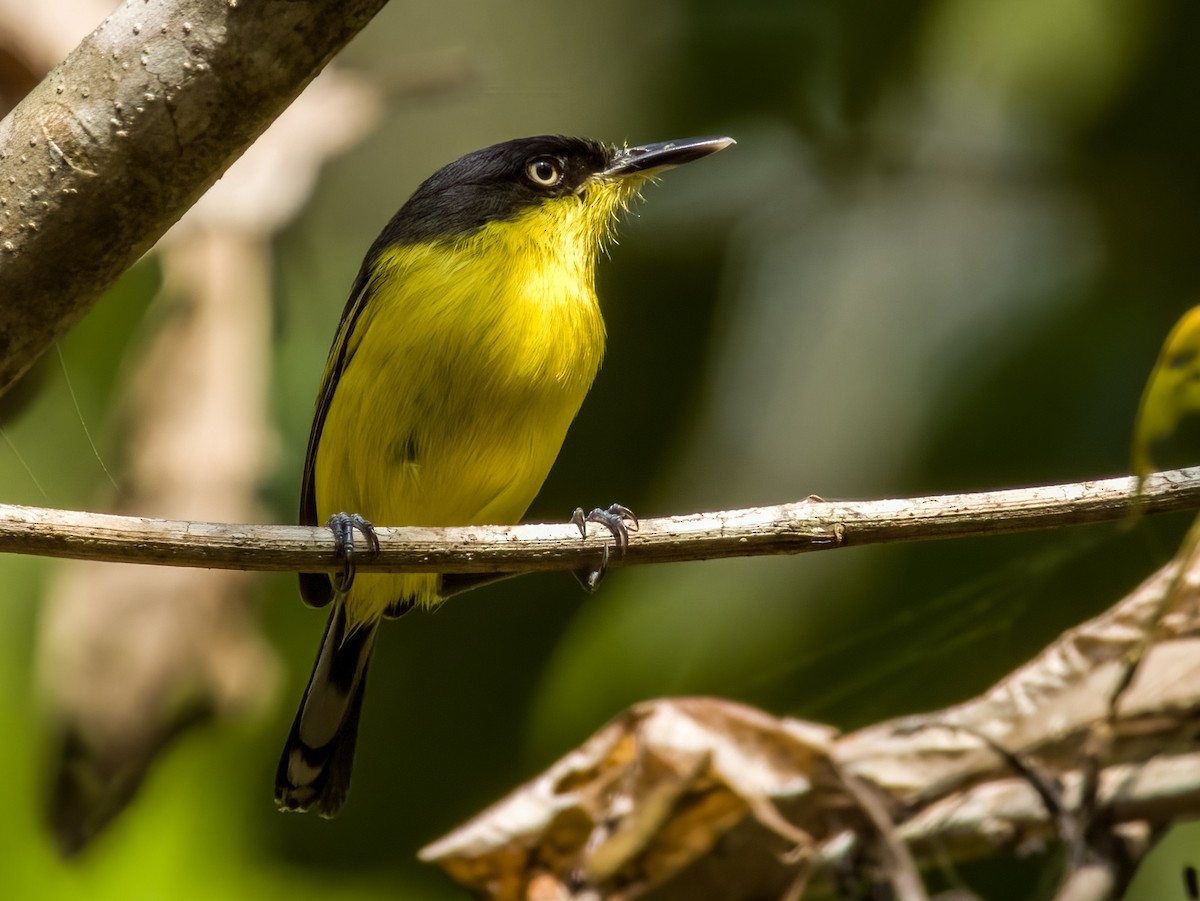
{"x": 471, "y": 335}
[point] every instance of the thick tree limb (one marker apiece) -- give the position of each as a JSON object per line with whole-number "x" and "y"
{"x": 807, "y": 525}
{"x": 122, "y": 137}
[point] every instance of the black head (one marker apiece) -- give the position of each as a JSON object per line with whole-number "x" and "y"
{"x": 494, "y": 183}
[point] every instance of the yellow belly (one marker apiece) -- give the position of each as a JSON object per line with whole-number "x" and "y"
{"x": 466, "y": 370}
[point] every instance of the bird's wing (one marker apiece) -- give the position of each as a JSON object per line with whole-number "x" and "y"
{"x": 315, "y": 588}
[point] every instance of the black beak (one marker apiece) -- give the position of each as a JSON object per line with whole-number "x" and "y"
{"x": 663, "y": 155}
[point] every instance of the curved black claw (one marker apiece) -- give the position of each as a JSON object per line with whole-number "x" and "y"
{"x": 343, "y": 525}
{"x": 613, "y": 519}
{"x": 618, "y": 519}
{"x": 590, "y": 579}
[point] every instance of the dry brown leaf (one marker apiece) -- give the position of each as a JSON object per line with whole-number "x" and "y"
{"x": 643, "y": 798}
{"x": 699, "y": 797}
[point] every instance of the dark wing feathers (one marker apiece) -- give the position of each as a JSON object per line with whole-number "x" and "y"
{"x": 316, "y": 588}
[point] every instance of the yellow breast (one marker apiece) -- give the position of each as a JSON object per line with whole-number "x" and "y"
{"x": 465, "y": 368}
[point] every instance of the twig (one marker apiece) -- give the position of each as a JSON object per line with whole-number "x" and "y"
{"x": 793, "y": 528}
{"x": 992, "y": 814}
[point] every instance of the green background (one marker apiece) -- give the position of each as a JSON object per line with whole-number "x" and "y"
{"x": 941, "y": 258}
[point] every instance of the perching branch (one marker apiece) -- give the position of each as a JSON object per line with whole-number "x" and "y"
{"x": 123, "y": 136}
{"x": 807, "y": 525}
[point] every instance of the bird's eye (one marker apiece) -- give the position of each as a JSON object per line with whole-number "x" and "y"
{"x": 545, "y": 171}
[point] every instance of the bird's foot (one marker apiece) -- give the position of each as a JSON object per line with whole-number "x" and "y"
{"x": 343, "y": 526}
{"x": 618, "y": 520}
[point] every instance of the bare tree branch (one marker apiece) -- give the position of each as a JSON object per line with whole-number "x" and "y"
{"x": 126, "y": 133}
{"x": 807, "y": 525}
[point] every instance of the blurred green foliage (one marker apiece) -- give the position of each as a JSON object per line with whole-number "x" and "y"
{"x": 942, "y": 257}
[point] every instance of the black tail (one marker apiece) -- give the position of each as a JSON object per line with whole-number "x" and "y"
{"x": 314, "y": 771}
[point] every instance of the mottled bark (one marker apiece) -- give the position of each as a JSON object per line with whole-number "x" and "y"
{"x": 126, "y": 133}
